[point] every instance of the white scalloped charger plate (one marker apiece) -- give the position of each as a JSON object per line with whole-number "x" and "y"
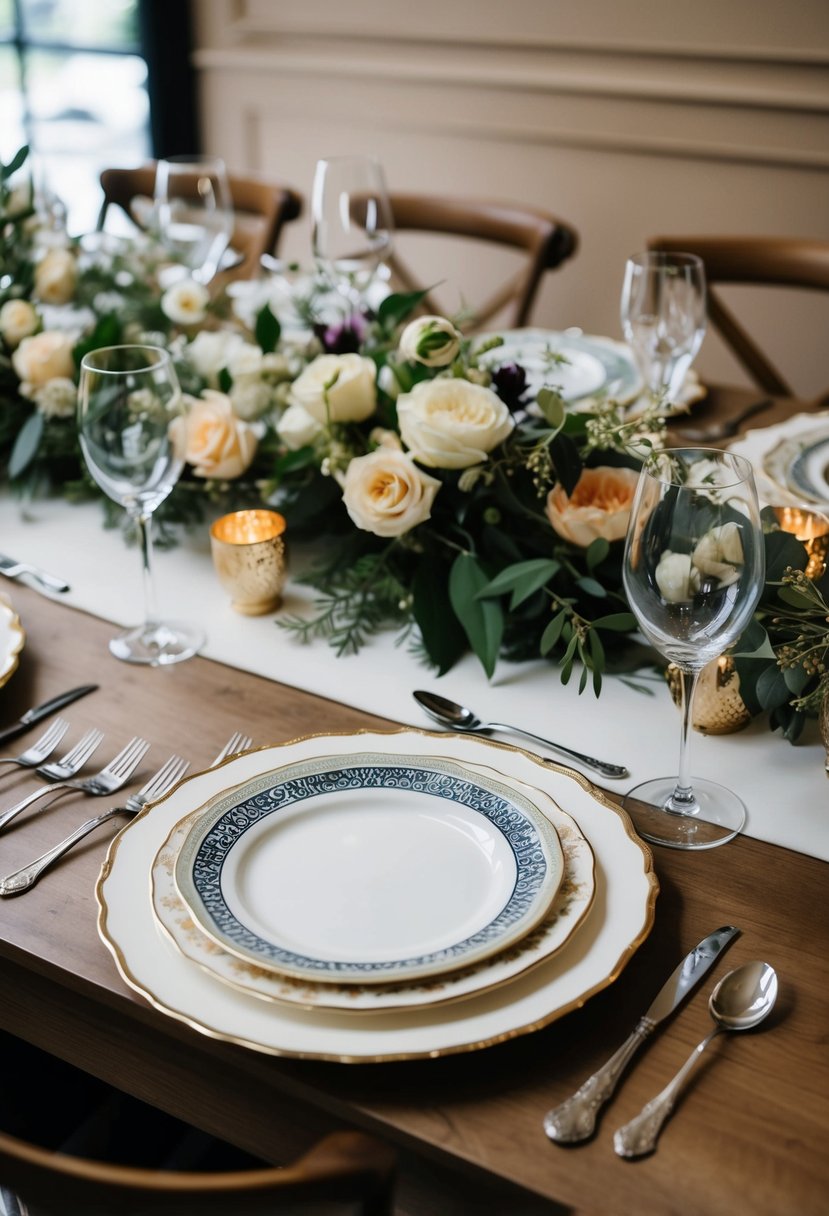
{"x": 12, "y": 640}
{"x": 618, "y": 922}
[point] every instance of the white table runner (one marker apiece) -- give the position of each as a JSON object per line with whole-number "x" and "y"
{"x": 785, "y": 788}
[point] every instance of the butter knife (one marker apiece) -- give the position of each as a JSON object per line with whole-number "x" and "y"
{"x": 13, "y": 569}
{"x": 37, "y": 712}
{"x": 575, "y": 1118}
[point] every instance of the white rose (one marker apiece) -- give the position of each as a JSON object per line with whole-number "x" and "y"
{"x": 55, "y": 277}
{"x": 185, "y": 303}
{"x": 210, "y": 352}
{"x": 42, "y": 358}
{"x": 251, "y": 397}
{"x": 452, "y": 424}
{"x": 57, "y": 398}
{"x": 297, "y": 428}
{"x": 212, "y": 439}
{"x": 385, "y": 492}
{"x": 432, "y": 341}
{"x": 18, "y": 320}
{"x": 337, "y": 388}
{"x": 676, "y": 578}
{"x": 718, "y": 553}
{"x": 246, "y": 360}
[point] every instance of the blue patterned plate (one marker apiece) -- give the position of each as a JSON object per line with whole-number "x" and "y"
{"x": 369, "y": 868}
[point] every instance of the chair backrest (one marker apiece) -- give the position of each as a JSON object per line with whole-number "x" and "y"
{"x": 545, "y": 241}
{"x": 765, "y": 261}
{"x": 346, "y": 1167}
{"x": 261, "y": 207}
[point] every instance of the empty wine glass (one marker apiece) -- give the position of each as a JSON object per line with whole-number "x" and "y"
{"x": 352, "y": 222}
{"x": 693, "y": 571}
{"x": 128, "y": 401}
{"x": 194, "y": 212}
{"x": 664, "y": 317}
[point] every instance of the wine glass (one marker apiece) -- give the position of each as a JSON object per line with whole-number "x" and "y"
{"x": 352, "y": 222}
{"x": 194, "y": 212}
{"x": 693, "y": 571}
{"x": 128, "y": 401}
{"x": 664, "y": 317}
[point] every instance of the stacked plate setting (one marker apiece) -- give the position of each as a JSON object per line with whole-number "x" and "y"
{"x": 376, "y": 896}
{"x": 791, "y": 461}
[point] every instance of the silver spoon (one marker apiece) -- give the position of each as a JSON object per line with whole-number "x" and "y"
{"x": 458, "y": 717}
{"x": 740, "y": 1001}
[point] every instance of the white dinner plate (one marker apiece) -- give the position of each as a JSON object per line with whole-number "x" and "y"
{"x": 619, "y": 920}
{"x": 582, "y": 367}
{"x": 12, "y": 640}
{"x": 570, "y": 906}
{"x": 369, "y": 868}
{"x": 763, "y": 446}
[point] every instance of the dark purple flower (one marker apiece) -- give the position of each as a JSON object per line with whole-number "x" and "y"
{"x": 345, "y": 337}
{"x": 510, "y": 383}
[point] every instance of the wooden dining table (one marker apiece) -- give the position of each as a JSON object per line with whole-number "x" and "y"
{"x": 750, "y": 1133}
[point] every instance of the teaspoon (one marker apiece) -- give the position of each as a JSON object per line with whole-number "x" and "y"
{"x": 458, "y": 717}
{"x": 740, "y": 1001}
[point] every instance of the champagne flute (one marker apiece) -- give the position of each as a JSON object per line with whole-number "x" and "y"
{"x": 664, "y": 317}
{"x": 352, "y": 222}
{"x": 693, "y": 571}
{"x": 129, "y": 404}
{"x": 194, "y": 212}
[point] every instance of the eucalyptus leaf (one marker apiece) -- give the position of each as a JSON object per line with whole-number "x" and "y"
{"x": 482, "y": 619}
{"x": 596, "y": 552}
{"x": 553, "y": 632}
{"x": 772, "y": 689}
{"x": 616, "y": 622}
{"x": 523, "y": 579}
{"x": 551, "y": 404}
{"x": 591, "y": 586}
{"x": 26, "y": 444}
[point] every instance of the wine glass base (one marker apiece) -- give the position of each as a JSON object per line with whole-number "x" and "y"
{"x": 157, "y": 643}
{"x": 718, "y": 817}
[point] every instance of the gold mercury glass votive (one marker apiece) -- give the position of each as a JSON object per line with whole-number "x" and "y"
{"x": 250, "y": 558}
{"x": 812, "y": 529}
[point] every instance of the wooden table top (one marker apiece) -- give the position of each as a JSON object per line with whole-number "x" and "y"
{"x": 750, "y": 1134}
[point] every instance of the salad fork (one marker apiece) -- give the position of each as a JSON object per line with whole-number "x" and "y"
{"x": 236, "y": 743}
{"x": 41, "y": 748}
{"x": 158, "y": 785}
{"x": 109, "y": 779}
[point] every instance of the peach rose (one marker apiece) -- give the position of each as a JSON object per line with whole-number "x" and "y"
{"x": 44, "y": 357}
{"x": 18, "y": 320}
{"x": 212, "y": 439}
{"x": 386, "y": 493}
{"x": 599, "y": 506}
{"x": 56, "y": 275}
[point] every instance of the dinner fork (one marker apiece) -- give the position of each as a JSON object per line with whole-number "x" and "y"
{"x": 109, "y": 779}
{"x": 41, "y": 748}
{"x": 236, "y": 743}
{"x": 158, "y": 785}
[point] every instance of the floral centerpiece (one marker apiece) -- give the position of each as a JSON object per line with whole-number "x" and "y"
{"x": 444, "y": 499}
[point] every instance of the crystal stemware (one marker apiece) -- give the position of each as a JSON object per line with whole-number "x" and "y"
{"x": 663, "y": 314}
{"x": 352, "y": 222}
{"x": 194, "y": 212}
{"x": 128, "y": 403}
{"x": 693, "y": 571}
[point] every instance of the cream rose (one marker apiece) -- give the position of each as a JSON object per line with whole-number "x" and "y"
{"x": 432, "y": 341}
{"x": 18, "y": 320}
{"x": 676, "y": 577}
{"x": 210, "y": 351}
{"x": 297, "y": 428}
{"x": 598, "y": 507}
{"x": 44, "y": 357}
{"x": 56, "y": 275}
{"x": 185, "y": 303}
{"x": 337, "y": 388}
{"x": 212, "y": 439}
{"x": 387, "y": 494}
{"x": 452, "y": 424}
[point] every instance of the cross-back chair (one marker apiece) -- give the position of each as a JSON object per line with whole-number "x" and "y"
{"x": 545, "y": 241}
{"x": 765, "y": 261}
{"x": 261, "y": 209}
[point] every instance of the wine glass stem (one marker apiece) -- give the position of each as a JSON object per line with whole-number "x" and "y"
{"x": 144, "y": 522}
{"x": 683, "y": 798}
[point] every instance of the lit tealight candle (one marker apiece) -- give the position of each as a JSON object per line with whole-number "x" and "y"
{"x": 250, "y": 558}
{"x": 810, "y": 527}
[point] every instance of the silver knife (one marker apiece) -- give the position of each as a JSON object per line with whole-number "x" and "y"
{"x": 37, "y": 712}
{"x": 13, "y": 569}
{"x": 575, "y": 1118}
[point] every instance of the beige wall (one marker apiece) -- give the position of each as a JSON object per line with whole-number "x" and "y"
{"x": 627, "y": 119}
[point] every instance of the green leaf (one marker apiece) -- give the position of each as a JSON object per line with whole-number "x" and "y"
{"x": 590, "y": 586}
{"x": 16, "y": 161}
{"x": 794, "y": 598}
{"x": 616, "y": 622}
{"x": 772, "y": 689}
{"x": 523, "y": 579}
{"x": 106, "y": 333}
{"x": 225, "y": 380}
{"x": 396, "y": 307}
{"x": 567, "y": 659}
{"x": 443, "y": 636}
{"x": 482, "y": 620}
{"x": 596, "y": 552}
{"x": 782, "y": 550}
{"x": 552, "y": 407}
{"x": 567, "y": 462}
{"x": 267, "y": 330}
{"x": 754, "y": 643}
{"x": 26, "y": 444}
{"x": 553, "y": 632}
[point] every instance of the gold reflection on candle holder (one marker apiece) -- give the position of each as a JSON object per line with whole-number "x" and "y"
{"x": 812, "y": 529}
{"x": 250, "y": 558}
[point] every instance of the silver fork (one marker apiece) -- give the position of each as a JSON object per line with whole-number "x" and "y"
{"x": 236, "y": 743}
{"x": 109, "y": 779}
{"x": 166, "y": 777}
{"x": 41, "y": 748}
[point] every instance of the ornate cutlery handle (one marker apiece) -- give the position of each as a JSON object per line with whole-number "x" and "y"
{"x": 22, "y": 880}
{"x": 575, "y": 1118}
{"x": 641, "y": 1134}
{"x": 15, "y": 810}
{"x": 615, "y": 771}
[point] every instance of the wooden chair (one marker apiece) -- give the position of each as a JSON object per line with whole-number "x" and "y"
{"x": 545, "y": 241}
{"x": 765, "y": 261}
{"x": 262, "y": 208}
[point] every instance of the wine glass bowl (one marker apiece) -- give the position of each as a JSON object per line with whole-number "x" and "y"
{"x": 194, "y": 212}
{"x": 352, "y": 222}
{"x": 129, "y": 406}
{"x": 663, "y": 313}
{"x": 693, "y": 571}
